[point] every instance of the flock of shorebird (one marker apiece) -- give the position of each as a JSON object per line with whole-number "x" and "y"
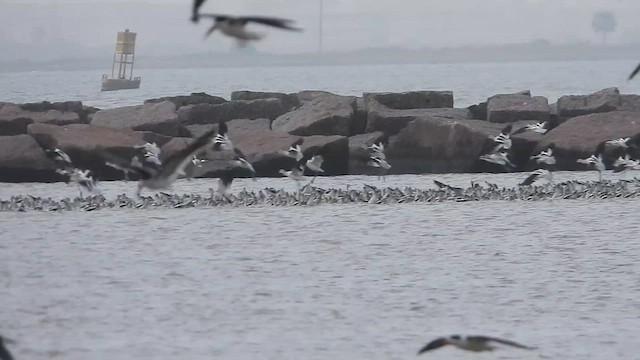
{"x": 152, "y": 173}
{"x": 627, "y": 151}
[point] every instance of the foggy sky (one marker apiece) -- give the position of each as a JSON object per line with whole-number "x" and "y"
{"x": 77, "y": 28}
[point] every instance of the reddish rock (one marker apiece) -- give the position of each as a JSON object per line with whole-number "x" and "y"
{"x": 234, "y": 126}
{"x": 84, "y": 143}
{"x": 193, "y": 99}
{"x": 602, "y": 101}
{"x": 23, "y": 160}
{"x": 411, "y": 99}
{"x": 439, "y": 145}
{"x": 578, "y": 137}
{"x": 290, "y": 101}
{"x": 325, "y": 115}
{"x": 507, "y": 108}
{"x": 14, "y": 119}
{"x": 246, "y": 109}
{"x": 391, "y": 121}
{"x": 160, "y": 118}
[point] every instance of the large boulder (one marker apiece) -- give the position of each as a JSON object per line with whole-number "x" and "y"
{"x": 160, "y": 118}
{"x": 629, "y": 102}
{"x": 84, "y": 144}
{"x": 289, "y": 101}
{"x": 578, "y": 137}
{"x": 64, "y": 106}
{"x": 269, "y": 108}
{"x": 391, "y": 121}
{"x": 602, "y": 101}
{"x": 325, "y": 115}
{"x": 234, "y": 126}
{"x": 23, "y": 160}
{"x": 358, "y": 155}
{"x": 439, "y": 145}
{"x": 193, "y": 99}
{"x": 412, "y": 99}
{"x": 505, "y": 108}
{"x": 14, "y": 119}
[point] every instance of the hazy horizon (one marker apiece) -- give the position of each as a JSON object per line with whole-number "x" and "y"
{"x": 43, "y": 30}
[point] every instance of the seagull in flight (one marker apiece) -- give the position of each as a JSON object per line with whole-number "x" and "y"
{"x": 546, "y": 157}
{"x": 161, "y": 177}
{"x": 500, "y": 158}
{"x": 4, "y": 353}
{"x": 503, "y": 140}
{"x": 235, "y": 27}
{"x": 471, "y": 343}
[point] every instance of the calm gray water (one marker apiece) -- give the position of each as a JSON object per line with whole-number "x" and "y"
{"x": 471, "y": 83}
{"x": 325, "y": 282}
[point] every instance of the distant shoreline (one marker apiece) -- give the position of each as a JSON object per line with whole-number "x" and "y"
{"x": 537, "y": 51}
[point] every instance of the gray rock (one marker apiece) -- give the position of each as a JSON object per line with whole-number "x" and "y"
{"x": 14, "y": 119}
{"x": 391, "y": 121}
{"x": 440, "y": 145}
{"x": 359, "y": 121}
{"x": 325, "y": 115}
{"x": 479, "y": 111}
{"x": 193, "y": 99}
{"x": 244, "y": 109}
{"x": 505, "y": 108}
{"x": 578, "y": 137}
{"x": 288, "y": 100}
{"x": 83, "y": 143}
{"x": 234, "y": 126}
{"x": 602, "y": 101}
{"x": 160, "y": 118}
{"x": 23, "y": 160}
{"x": 311, "y": 95}
{"x": 629, "y": 102}
{"x": 411, "y": 99}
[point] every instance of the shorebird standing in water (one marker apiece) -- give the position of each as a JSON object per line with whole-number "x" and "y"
{"x": 236, "y": 27}
{"x": 471, "y": 343}
{"x": 4, "y": 353}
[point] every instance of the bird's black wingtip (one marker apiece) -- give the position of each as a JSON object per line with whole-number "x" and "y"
{"x": 437, "y": 343}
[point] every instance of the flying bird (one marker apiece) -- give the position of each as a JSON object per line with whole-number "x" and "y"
{"x": 596, "y": 160}
{"x": 236, "y": 27}
{"x": 537, "y": 174}
{"x": 4, "y": 353}
{"x": 546, "y": 156}
{"x": 500, "y": 158}
{"x": 635, "y": 72}
{"x": 503, "y": 140}
{"x": 194, "y": 12}
{"x": 294, "y": 152}
{"x": 161, "y": 177}
{"x": 82, "y": 177}
{"x": 222, "y": 140}
{"x": 471, "y": 343}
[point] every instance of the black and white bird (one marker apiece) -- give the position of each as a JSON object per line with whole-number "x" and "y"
{"x": 596, "y": 160}
{"x": 503, "y": 140}
{"x": 294, "y": 151}
{"x": 151, "y": 153}
{"x": 161, "y": 177}
{"x": 540, "y": 128}
{"x": 296, "y": 173}
{"x": 222, "y": 140}
{"x": 634, "y": 72}
{"x": 236, "y": 26}
{"x": 376, "y": 150}
{"x": 377, "y": 158}
{"x": 546, "y": 157}
{"x": 625, "y": 163}
{"x": 472, "y": 343}
{"x": 4, "y": 352}
{"x": 84, "y": 178}
{"x": 195, "y": 14}
{"x": 501, "y": 158}
{"x": 538, "y": 174}
{"x": 240, "y": 160}
{"x": 238, "y": 163}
